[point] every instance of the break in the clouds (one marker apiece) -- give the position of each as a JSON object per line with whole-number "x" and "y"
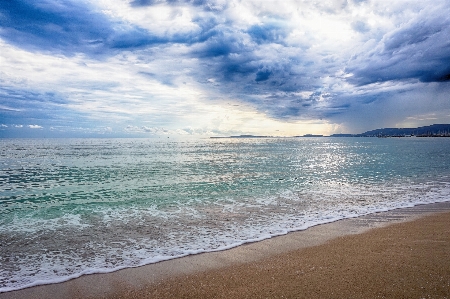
{"x": 182, "y": 67}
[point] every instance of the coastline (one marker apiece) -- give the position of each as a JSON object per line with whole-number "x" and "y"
{"x": 135, "y": 282}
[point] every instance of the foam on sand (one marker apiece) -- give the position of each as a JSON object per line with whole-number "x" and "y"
{"x": 146, "y": 277}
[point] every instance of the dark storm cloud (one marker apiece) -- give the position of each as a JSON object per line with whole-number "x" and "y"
{"x": 268, "y": 33}
{"x": 220, "y": 43}
{"x": 72, "y": 27}
{"x": 254, "y": 60}
{"x": 288, "y": 107}
{"x": 43, "y": 25}
{"x": 243, "y": 70}
{"x": 67, "y": 27}
{"x": 263, "y": 75}
{"x": 419, "y": 50}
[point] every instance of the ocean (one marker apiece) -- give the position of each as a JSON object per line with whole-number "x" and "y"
{"x": 70, "y": 207}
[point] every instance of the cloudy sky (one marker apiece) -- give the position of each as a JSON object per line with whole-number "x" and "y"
{"x": 216, "y": 67}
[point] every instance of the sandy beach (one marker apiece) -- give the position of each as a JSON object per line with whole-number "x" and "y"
{"x": 403, "y": 253}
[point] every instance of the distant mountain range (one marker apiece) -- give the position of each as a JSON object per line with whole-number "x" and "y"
{"x": 437, "y": 130}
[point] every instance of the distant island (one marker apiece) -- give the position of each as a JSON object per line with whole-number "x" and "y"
{"x": 310, "y": 135}
{"x": 437, "y": 130}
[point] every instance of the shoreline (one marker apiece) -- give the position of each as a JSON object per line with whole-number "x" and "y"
{"x": 131, "y": 280}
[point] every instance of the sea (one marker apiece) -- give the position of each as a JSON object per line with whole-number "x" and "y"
{"x": 70, "y": 207}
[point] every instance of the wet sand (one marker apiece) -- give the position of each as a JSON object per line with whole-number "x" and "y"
{"x": 403, "y": 253}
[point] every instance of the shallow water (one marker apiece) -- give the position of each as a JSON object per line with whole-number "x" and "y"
{"x": 75, "y": 206}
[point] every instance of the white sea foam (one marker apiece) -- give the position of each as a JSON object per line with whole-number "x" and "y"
{"x": 132, "y": 253}
{"x": 139, "y": 206}
{"x": 32, "y": 224}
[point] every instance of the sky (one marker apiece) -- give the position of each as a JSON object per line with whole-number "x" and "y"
{"x": 145, "y": 68}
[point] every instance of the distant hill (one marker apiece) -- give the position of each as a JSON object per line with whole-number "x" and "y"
{"x": 427, "y": 131}
{"x": 344, "y": 135}
{"x": 437, "y": 130}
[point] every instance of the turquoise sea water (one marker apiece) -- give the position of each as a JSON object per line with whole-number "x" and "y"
{"x": 70, "y": 207}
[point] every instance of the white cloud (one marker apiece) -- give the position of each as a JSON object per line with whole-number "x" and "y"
{"x": 3, "y": 107}
{"x": 206, "y": 71}
{"x": 35, "y": 127}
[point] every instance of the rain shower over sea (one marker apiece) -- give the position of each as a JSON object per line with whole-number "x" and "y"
{"x": 70, "y": 207}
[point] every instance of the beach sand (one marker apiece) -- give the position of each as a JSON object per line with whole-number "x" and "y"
{"x": 403, "y": 253}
